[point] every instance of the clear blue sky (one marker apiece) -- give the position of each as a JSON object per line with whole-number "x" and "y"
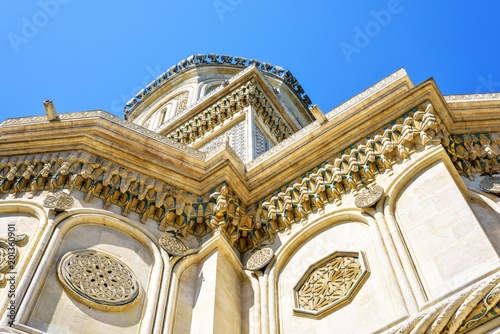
{"x": 88, "y": 55}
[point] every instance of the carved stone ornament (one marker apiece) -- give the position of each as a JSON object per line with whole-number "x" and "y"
{"x": 260, "y": 259}
{"x": 330, "y": 284}
{"x": 8, "y": 259}
{"x": 59, "y": 201}
{"x": 98, "y": 280}
{"x": 491, "y": 184}
{"x": 173, "y": 245}
{"x": 369, "y": 196}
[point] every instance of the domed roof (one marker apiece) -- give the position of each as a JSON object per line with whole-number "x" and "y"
{"x": 215, "y": 60}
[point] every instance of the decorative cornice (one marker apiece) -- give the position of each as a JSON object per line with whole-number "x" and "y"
{"x": 214, "y": 60}
{"x": 472, "y": 97}
{"x": 366, "y": 93}
{"x": 352, "y": 169}
{"x": 112, "y": 118}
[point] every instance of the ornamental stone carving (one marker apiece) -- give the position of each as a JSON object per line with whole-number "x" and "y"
{"x": 59, "y": 201}
{"x": 369, "y": 196}
{"x": 330, "y": 283}
{"x": 98, "y": 280}
{"x": 260, "y": 259}
{"x": 343, "y": 173}
{"x": 173, "y": 245}
{"x": 214, "y": 58}
{"x": 210, "y": 119}
{"x": 9, "y": 253}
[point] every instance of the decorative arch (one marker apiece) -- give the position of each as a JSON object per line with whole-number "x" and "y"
{"x": 270, "y": 291}
{"x": 63, "y": 225}
{"x": 26, "y": 266}
{"x": 415, "y": 255}
{"x": 177, "y": 102}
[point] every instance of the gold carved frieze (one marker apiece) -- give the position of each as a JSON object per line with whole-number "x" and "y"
{"x": 98, "y": 280}
{"x": 330, "y": 284}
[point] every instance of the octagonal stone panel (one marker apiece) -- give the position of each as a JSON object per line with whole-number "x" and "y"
{"x": 330, "y": 283}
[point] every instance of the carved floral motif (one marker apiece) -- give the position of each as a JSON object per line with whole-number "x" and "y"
{"x": 98, "y": 280}
{"x": 8, "y": 258}
{"x": 59, "y": 201}
{"x": 329, "y": 283}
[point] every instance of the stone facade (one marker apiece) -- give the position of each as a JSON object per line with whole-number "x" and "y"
{"x": 224, "y": 202}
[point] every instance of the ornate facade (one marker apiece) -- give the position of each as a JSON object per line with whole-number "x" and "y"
{"x": 224, "y": 202}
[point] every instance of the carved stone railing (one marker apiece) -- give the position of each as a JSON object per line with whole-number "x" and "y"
{"x": 213, "y": 58}
{"x": 248, "y": 94}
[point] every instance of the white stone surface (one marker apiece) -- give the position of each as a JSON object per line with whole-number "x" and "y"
{"x": 445, "y": 240}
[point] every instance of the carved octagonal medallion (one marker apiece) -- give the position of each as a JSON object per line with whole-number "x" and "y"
{"x": 98, "y": 280}
{"x": 330, "y": 284}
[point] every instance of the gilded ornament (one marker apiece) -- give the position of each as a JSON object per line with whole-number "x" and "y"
{"x": 260, "y": 259}
{"x": 98, "y": 280}
{"x": 491, "y": 184}
{"x": 59, "y": 201}
{"x": 369, "y": 196}
{"x": 173, "y": 245}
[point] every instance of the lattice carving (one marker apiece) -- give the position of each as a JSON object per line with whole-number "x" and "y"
{"x": 353, "y": 168}
{"x": 330, "y": 283}
{"x": 98, "y": 280}
{"x": 237, "y": 141}
{"x": 262, "y": 144}
{"x": 474, "y": 153}
{"x": 260, "y": 259}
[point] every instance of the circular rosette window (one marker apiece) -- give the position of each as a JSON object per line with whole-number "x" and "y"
{"x": 98, "y": 280}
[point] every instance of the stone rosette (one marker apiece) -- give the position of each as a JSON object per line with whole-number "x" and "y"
{"x": 491, "y": 184}
{"x": 173, "y": 245}
{"x": 59, "y": 201}
{"x": 260, "y": 259}
{"x": 369, "y": 197}
{"x": 98, "y": 280}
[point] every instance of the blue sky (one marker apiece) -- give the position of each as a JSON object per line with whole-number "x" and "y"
{"x": 87, "y": 55}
